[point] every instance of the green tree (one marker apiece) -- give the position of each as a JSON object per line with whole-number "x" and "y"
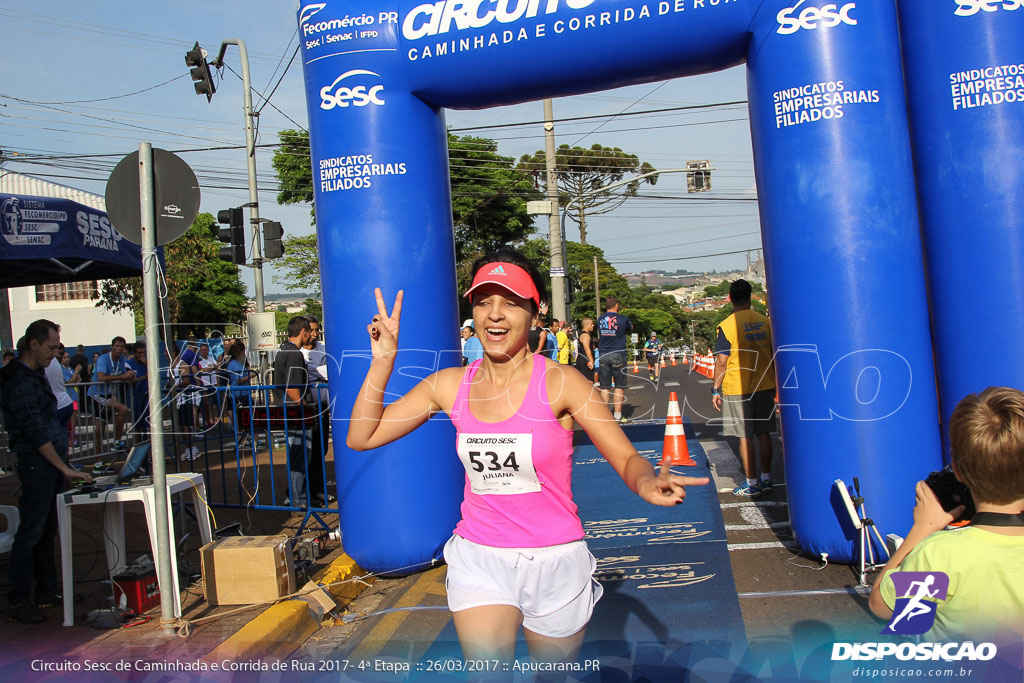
{"x": 294, "y": 169}
{"x": 647, "y": 320}
{"x": 315, "y": 307}
{"x": 580, "y": 274}
{"x": 488, "y": 197}
{"x": 202, "y": 289}
{"x": 301, "y": 263}
{"x": 583, "y": 175}
{"x": 722, "y": 288}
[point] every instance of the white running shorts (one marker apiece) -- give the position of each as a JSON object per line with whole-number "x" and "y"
{"x": 552, "y": 586}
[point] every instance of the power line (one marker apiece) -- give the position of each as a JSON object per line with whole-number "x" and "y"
{"x": 684, "y": 258}
{"x": 98, "y": 99}
{"x": 601, "y": 116}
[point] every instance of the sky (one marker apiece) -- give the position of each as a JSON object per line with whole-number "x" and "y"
{"x": 89, "y": 79}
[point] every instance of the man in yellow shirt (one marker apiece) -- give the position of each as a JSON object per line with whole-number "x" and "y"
{"x": 564, "y": 352}
{"x": 744, "y": 386}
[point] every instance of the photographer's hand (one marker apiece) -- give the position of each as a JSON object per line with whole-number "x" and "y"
{"x": 929, "y": 517}
{"x": 928, "y": 513}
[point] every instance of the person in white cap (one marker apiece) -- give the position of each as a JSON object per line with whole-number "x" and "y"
{"x": 517, "y": 557}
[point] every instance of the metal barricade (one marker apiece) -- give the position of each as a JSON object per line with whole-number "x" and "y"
{"x": 252, "y": 451}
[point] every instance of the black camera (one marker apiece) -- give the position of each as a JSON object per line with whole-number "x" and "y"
{"x": 951, "y": 492}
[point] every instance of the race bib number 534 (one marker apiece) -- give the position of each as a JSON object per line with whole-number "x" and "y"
{"x": 499, "y": 464}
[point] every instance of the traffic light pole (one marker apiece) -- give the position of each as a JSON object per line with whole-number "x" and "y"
{"x": 250, "y": 151}
{"x": 150, "y": 302}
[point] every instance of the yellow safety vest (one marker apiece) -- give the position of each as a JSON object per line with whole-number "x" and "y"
{"x": 751, "y": 366}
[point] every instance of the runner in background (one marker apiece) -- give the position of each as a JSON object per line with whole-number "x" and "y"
{"x": 652, "y": 347}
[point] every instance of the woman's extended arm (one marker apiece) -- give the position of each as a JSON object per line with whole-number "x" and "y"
{"x": 582, "y": 401}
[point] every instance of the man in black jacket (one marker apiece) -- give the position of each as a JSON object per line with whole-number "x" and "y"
{"x": 40, "y": 443}
{"x": 291, "y": 382}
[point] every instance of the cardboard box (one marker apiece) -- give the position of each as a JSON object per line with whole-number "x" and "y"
{"x": 243, "y": 570}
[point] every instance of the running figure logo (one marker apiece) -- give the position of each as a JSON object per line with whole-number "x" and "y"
{"x": 916, "y": 595}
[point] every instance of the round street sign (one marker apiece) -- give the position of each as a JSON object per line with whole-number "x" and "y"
{"x": 175, "y": 191}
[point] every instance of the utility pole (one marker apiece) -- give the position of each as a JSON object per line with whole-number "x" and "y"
{"x": 597, "y": 290}
{"x": 558, "y": 304}
{"x": 250, "y": 152}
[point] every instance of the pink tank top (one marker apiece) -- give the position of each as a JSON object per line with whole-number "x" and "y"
{"x": 518, "y": 490}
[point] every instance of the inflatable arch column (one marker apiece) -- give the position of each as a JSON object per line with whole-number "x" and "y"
{"x": 838, "y": 218}
{"x": 965, "y": 83}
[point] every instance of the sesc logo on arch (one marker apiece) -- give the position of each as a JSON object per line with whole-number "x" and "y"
{"x": 355, "y": 88}
{"x": 811, "y": 18}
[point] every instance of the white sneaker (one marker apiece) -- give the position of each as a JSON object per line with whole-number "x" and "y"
{"x": 195, "y": 453}
{"x": 186, "y": 454}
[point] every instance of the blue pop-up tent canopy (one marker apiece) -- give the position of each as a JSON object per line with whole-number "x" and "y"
{"x": 44, "y": 240}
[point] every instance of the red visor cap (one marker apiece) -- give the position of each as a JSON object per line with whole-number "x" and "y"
{"x": 509, "y": 276}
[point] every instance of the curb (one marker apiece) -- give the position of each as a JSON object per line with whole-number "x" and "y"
{"x": 283, "y": 627}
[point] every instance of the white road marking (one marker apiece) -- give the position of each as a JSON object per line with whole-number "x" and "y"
{"x": 753, "y": 503}
{"x": 705, "y": 381}
{"x": 761, "y": 546}
{"x": 850, "y": 590}
{"x": 671, "y": 384}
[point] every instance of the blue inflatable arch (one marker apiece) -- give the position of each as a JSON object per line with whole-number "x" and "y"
{"x": 838, "y": 208}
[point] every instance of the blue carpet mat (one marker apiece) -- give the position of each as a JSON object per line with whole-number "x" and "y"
{"x": 669, "y": 591}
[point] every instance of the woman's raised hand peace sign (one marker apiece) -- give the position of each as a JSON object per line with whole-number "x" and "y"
{"x": 384, "y": 328}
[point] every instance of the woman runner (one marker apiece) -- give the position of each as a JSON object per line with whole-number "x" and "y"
{"x": 517, "y": 556}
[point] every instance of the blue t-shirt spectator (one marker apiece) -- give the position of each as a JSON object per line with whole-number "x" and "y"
{"x": 140, "y": 390}
{"x": 237, "y": 372}
{"x": 473, "y": 350}
{"x": 612, "y": 331}
{"x": 69, "y": 372}
{"x": 239, "y": 375}
{"x": 551, "y": 345}
{"x": 190, "y": 358}
{"x": 108, "y": 366}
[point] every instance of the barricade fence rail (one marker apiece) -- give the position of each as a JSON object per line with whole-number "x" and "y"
{"x": 253, "y": 451}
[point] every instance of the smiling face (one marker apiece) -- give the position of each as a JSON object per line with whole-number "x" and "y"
{"x": 502, "y": 320}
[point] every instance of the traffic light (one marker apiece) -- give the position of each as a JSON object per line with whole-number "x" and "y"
{"x": 272, "y": 247}
{"x": 698, "y": 176}
{"x": 196, "y": 58}
{"x": 233, "y": 235}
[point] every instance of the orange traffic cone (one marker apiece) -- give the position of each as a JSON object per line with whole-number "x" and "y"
{"x": 673, "y": 360}
{"x": 675, "y": 450}
{"x": 663, "y": 362}
{"x": 636, "y": 366}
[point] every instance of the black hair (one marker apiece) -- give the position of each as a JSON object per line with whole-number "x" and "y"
{"x": 510, "y": 255}
{"x": 739, "y": 292}
{"x": 236, "y": 349}
{"x": 118, "y": 339}
{"x": 39, "y": 331}
{"x": 610, "y": 303}
{"x": 312, "y": 319}
{"x": 297, "y": 324}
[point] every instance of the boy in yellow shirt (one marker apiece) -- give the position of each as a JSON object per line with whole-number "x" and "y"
{"x": 984, "y": 562}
